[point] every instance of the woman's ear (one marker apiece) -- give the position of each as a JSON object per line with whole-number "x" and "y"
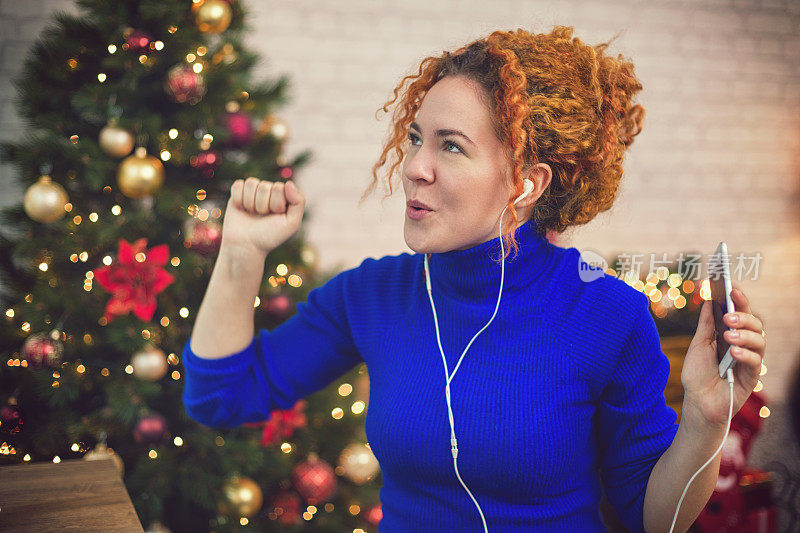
{"x": 540, "y": 174}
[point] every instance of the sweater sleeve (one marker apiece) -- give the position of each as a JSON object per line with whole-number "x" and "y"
{"x": 302, "y": 355}
{"x": 634, "y": 423}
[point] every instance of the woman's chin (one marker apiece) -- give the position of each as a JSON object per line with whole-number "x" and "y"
{"x": 415, "y": 238}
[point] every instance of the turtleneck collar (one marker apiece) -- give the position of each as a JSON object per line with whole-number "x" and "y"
{"x": 472, "y": 275}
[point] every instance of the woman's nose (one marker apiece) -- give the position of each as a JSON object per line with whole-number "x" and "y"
{"x": 419, "y": 166}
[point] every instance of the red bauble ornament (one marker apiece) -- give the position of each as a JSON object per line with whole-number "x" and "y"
{"x": 279, "y": 306}
{"x": 184, "y": 85}
{"x": 206, "y": 162}
{"x": 239, "y": 127}
{"x": 286, "y": 171}
{"x": 286, "y": 506}
{"x": 202, "y": 236}
{"x": 134, "y": 280}
{"x": 137, "y": 41}
{"x": 315, "y": 480}
{"x": 150, "y": 429}
{"x": 41, "y": 350}
{"x": 10, "y": 419}
{"x": 374, "y": 515}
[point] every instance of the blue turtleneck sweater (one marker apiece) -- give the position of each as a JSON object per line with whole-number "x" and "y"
{"x": 562, "y": 392}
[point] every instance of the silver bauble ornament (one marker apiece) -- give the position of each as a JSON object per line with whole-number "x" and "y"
{"x": 359, "y": 463}
{"x": 150, "y": 363}
{"x": 115, "y": 141}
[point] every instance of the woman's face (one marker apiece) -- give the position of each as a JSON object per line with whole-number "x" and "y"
{"x": 464, "y": 179}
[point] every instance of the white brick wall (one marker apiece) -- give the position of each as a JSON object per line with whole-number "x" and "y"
{"x": 717, "y": 159}
{"x": 20, "y": 25}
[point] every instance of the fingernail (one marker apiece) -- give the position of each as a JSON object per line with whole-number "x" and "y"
{"x": 733, "y": 318}
{"x": 733, "y": 334}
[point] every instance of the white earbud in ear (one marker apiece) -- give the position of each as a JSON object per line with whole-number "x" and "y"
{"x": 528, "y": 185}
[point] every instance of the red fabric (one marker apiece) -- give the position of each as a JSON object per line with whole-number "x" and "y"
{"x": 741, "y": 500}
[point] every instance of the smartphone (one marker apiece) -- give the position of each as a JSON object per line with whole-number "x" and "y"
{"x": 719, "y": 279}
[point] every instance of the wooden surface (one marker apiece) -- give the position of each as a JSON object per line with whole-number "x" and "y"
{"x": 73, "y": 495}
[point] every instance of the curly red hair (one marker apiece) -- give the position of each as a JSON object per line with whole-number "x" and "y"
{"x": 554, "y": 100}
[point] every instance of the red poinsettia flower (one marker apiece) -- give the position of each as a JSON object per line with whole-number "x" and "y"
{"x": 135, "y": 281}
{"x": 281, "y": 424}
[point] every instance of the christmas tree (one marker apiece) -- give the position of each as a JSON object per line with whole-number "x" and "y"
{"x": 140, "y": 115}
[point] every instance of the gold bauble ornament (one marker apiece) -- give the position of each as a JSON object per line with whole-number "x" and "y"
{"x": 150, "y": 363}
{"x": 359, "y": 463}
{"x": 275, "y": 127}
{"x": 102, "y": 453}
{"x": 115, "y": 141}
{"x": 212, "y": 16}
{"x": 140, "y": 175}
{"x": 45, "y": 200}
{"x": 243, "y": 497}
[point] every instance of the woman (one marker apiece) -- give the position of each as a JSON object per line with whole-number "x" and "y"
{"x": 544, "y": 397}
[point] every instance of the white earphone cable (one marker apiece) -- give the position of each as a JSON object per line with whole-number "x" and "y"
{"x": 730, "y": 413}
{"x": 449, "y": 377}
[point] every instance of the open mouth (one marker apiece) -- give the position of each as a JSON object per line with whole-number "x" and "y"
{"x": 416, "y": 213}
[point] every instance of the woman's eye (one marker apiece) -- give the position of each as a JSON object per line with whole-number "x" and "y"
{"x": 451, "y": 143}
{"x": 413, "y": 137}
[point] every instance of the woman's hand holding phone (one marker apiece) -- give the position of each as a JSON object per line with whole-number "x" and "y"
{"x": 706, "y": 395}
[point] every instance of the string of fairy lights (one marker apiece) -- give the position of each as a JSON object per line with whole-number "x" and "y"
{"x": 674, "y": 295}
{"x": 661, "y": 300}
{"x": 280, "y": 278}
{"x": 168, "y": 140}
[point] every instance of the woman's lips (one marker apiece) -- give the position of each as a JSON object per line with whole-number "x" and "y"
{"x": 417, "y": 214}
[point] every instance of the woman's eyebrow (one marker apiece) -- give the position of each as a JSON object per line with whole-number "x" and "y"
{"x": 444, "y": 132}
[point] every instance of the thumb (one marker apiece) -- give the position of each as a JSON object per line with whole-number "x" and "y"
{"x": 296, "y": 200}
{"x": 705, "y": 324}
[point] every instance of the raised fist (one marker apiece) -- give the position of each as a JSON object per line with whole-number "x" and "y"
{"x": 261, "y": 215}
